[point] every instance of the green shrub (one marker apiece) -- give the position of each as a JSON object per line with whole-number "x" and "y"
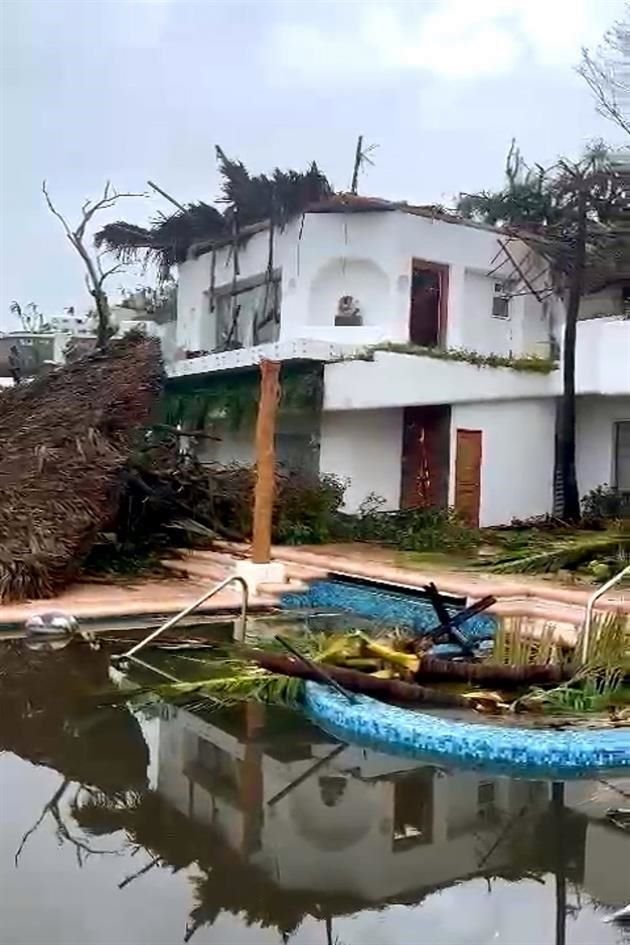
{"x": 418, "y": 529}
{"x": 605, "y": 503}
{"x": 306, "y": 508}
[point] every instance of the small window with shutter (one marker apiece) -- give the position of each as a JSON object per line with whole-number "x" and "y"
{"x": 501, "y": 300}
{"x": 622, "y": 455}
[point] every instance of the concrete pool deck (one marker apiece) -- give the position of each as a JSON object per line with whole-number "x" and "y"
{"x": 517, "y": 596}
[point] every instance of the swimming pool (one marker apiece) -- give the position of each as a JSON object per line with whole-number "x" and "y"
{"x": 524, "y": 750}
{"x": 390, "y": 607}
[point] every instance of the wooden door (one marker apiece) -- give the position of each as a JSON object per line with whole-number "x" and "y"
{"x": 468, "y": 475}
{"x": 425, "y": 457}
{"x": 429, "y": 297}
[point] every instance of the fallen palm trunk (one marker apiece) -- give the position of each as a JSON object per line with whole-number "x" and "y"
{"x": 392, "y": 690}
{"x": 489, "y": 674}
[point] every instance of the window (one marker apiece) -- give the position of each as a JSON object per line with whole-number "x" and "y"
{"x": 622, "y": 455}
{"x": 501, "y": 300}
{"x": 250, "y": 315}
{"x": 486, "y": 804}
{"x": 625, "y": 301}
{"x": 413, "y": 810}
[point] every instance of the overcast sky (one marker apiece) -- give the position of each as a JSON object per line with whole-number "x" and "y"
{"x": 137, "y": 89}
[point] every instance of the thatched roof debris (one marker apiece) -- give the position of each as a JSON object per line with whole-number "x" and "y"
{"x": 64, "y": 440}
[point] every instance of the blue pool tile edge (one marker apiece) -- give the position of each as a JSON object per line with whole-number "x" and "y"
{"x": 391, "y": 607}
{"x": 521, "y": 751}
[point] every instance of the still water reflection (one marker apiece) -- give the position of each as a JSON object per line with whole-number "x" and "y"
{"x": 252, "y": 826}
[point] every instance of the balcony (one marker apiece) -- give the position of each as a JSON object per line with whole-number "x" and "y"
{"x": 397, "y": 380}
{"x": 297, "y": 350}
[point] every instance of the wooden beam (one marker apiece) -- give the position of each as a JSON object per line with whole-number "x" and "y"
{"x": 265, "y": 460}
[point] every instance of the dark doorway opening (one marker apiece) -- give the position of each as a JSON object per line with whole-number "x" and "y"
{"x": 425, "y": 457}
{"x": 429, "y": 297}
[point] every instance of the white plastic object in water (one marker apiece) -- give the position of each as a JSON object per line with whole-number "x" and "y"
{"x": 51, "y": 630}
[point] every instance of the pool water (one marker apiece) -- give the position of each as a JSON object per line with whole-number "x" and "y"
{"x": 388, "y": 606}
{"x": 252, "y": 826}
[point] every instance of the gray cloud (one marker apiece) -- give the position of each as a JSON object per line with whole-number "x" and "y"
{"x": 126, "y": 90}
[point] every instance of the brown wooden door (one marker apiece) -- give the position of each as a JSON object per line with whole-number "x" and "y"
{"x": 468, "y": 475}
{"x": 428, "y": 310}
{"x": 425, "y": 457}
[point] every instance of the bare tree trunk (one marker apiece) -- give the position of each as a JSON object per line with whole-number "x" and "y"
{"x": 566, "y": 444}
{"x": 103, "y": 318}
{"x": 491, "y": 674}
{"x": 392, "y": 690}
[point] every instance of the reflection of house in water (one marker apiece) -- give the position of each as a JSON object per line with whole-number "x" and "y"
{"x": 606, "y": 847}
{"x": 364, "y": 825}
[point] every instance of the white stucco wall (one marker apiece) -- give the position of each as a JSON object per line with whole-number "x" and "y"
{"x": 517, "y": 457}
{"x": 365, "y": 448}
{"x": 194, "y": 332}
{"x": 481, "y": 332}
{"x": 297, "y": 443}
{"x": 595, "y": 419}
{"x": 602, "y": 359}
{"x": 394, "y": 380}
{"x": 368, "y": 256}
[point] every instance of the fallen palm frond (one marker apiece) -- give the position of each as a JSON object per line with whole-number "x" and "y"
{"x": 609, "y": 643}
{"x": 250, "y": 683}
{"x": 599, "y": 684}
{"x": 591, "y": 695}
{"x": 64, "y": 440}
{"x": 248, "y": 198}
{"x": 518, "y": 642}
{"x": 265, "y": 674}
{"x": 567, "y": 553}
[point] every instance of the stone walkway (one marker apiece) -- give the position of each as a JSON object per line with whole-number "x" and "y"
{"x": 198, "y": 570}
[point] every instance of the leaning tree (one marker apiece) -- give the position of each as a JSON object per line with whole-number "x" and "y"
{"x": 577, "y": 215}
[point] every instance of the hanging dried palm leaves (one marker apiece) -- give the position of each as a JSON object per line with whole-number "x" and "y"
{"x": 64, "y": 439}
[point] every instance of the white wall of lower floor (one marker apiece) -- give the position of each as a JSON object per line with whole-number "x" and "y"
{"x": 517, "y": 464}
{"x": 595, "y": 439}
{"x": 364, "y": 447}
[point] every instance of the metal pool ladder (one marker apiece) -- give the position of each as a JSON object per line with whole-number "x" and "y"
{"x": 586, "y": 634}
{"x": 240, "y": 632}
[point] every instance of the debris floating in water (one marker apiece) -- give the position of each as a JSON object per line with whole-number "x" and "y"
{"x": 51, "y": 630}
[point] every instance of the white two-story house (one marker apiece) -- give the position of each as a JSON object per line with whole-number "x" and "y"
{"x": 359, "y": 287}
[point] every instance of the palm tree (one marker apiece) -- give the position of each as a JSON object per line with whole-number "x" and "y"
{"x": 247, "y": 199}
{"x": 576, "y": 214}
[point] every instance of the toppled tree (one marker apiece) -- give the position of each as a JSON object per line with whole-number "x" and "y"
{"x": 95, "y": 274}
{"x": 576, "y": 214}
{"x": 64, "y": 440}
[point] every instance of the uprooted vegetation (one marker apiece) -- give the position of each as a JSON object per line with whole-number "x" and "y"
{"x": 64, "y": 439}
{"x": 90, "y": 486}
{"x": 169, "y": 500}
{"x": 521, "y": 673}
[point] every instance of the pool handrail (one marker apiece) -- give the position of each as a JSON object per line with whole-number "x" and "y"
{"x": 172, "y": 621}
{"x": 590, "y": 604}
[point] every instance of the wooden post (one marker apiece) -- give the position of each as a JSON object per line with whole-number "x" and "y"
{"x": 265, "y": 460}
